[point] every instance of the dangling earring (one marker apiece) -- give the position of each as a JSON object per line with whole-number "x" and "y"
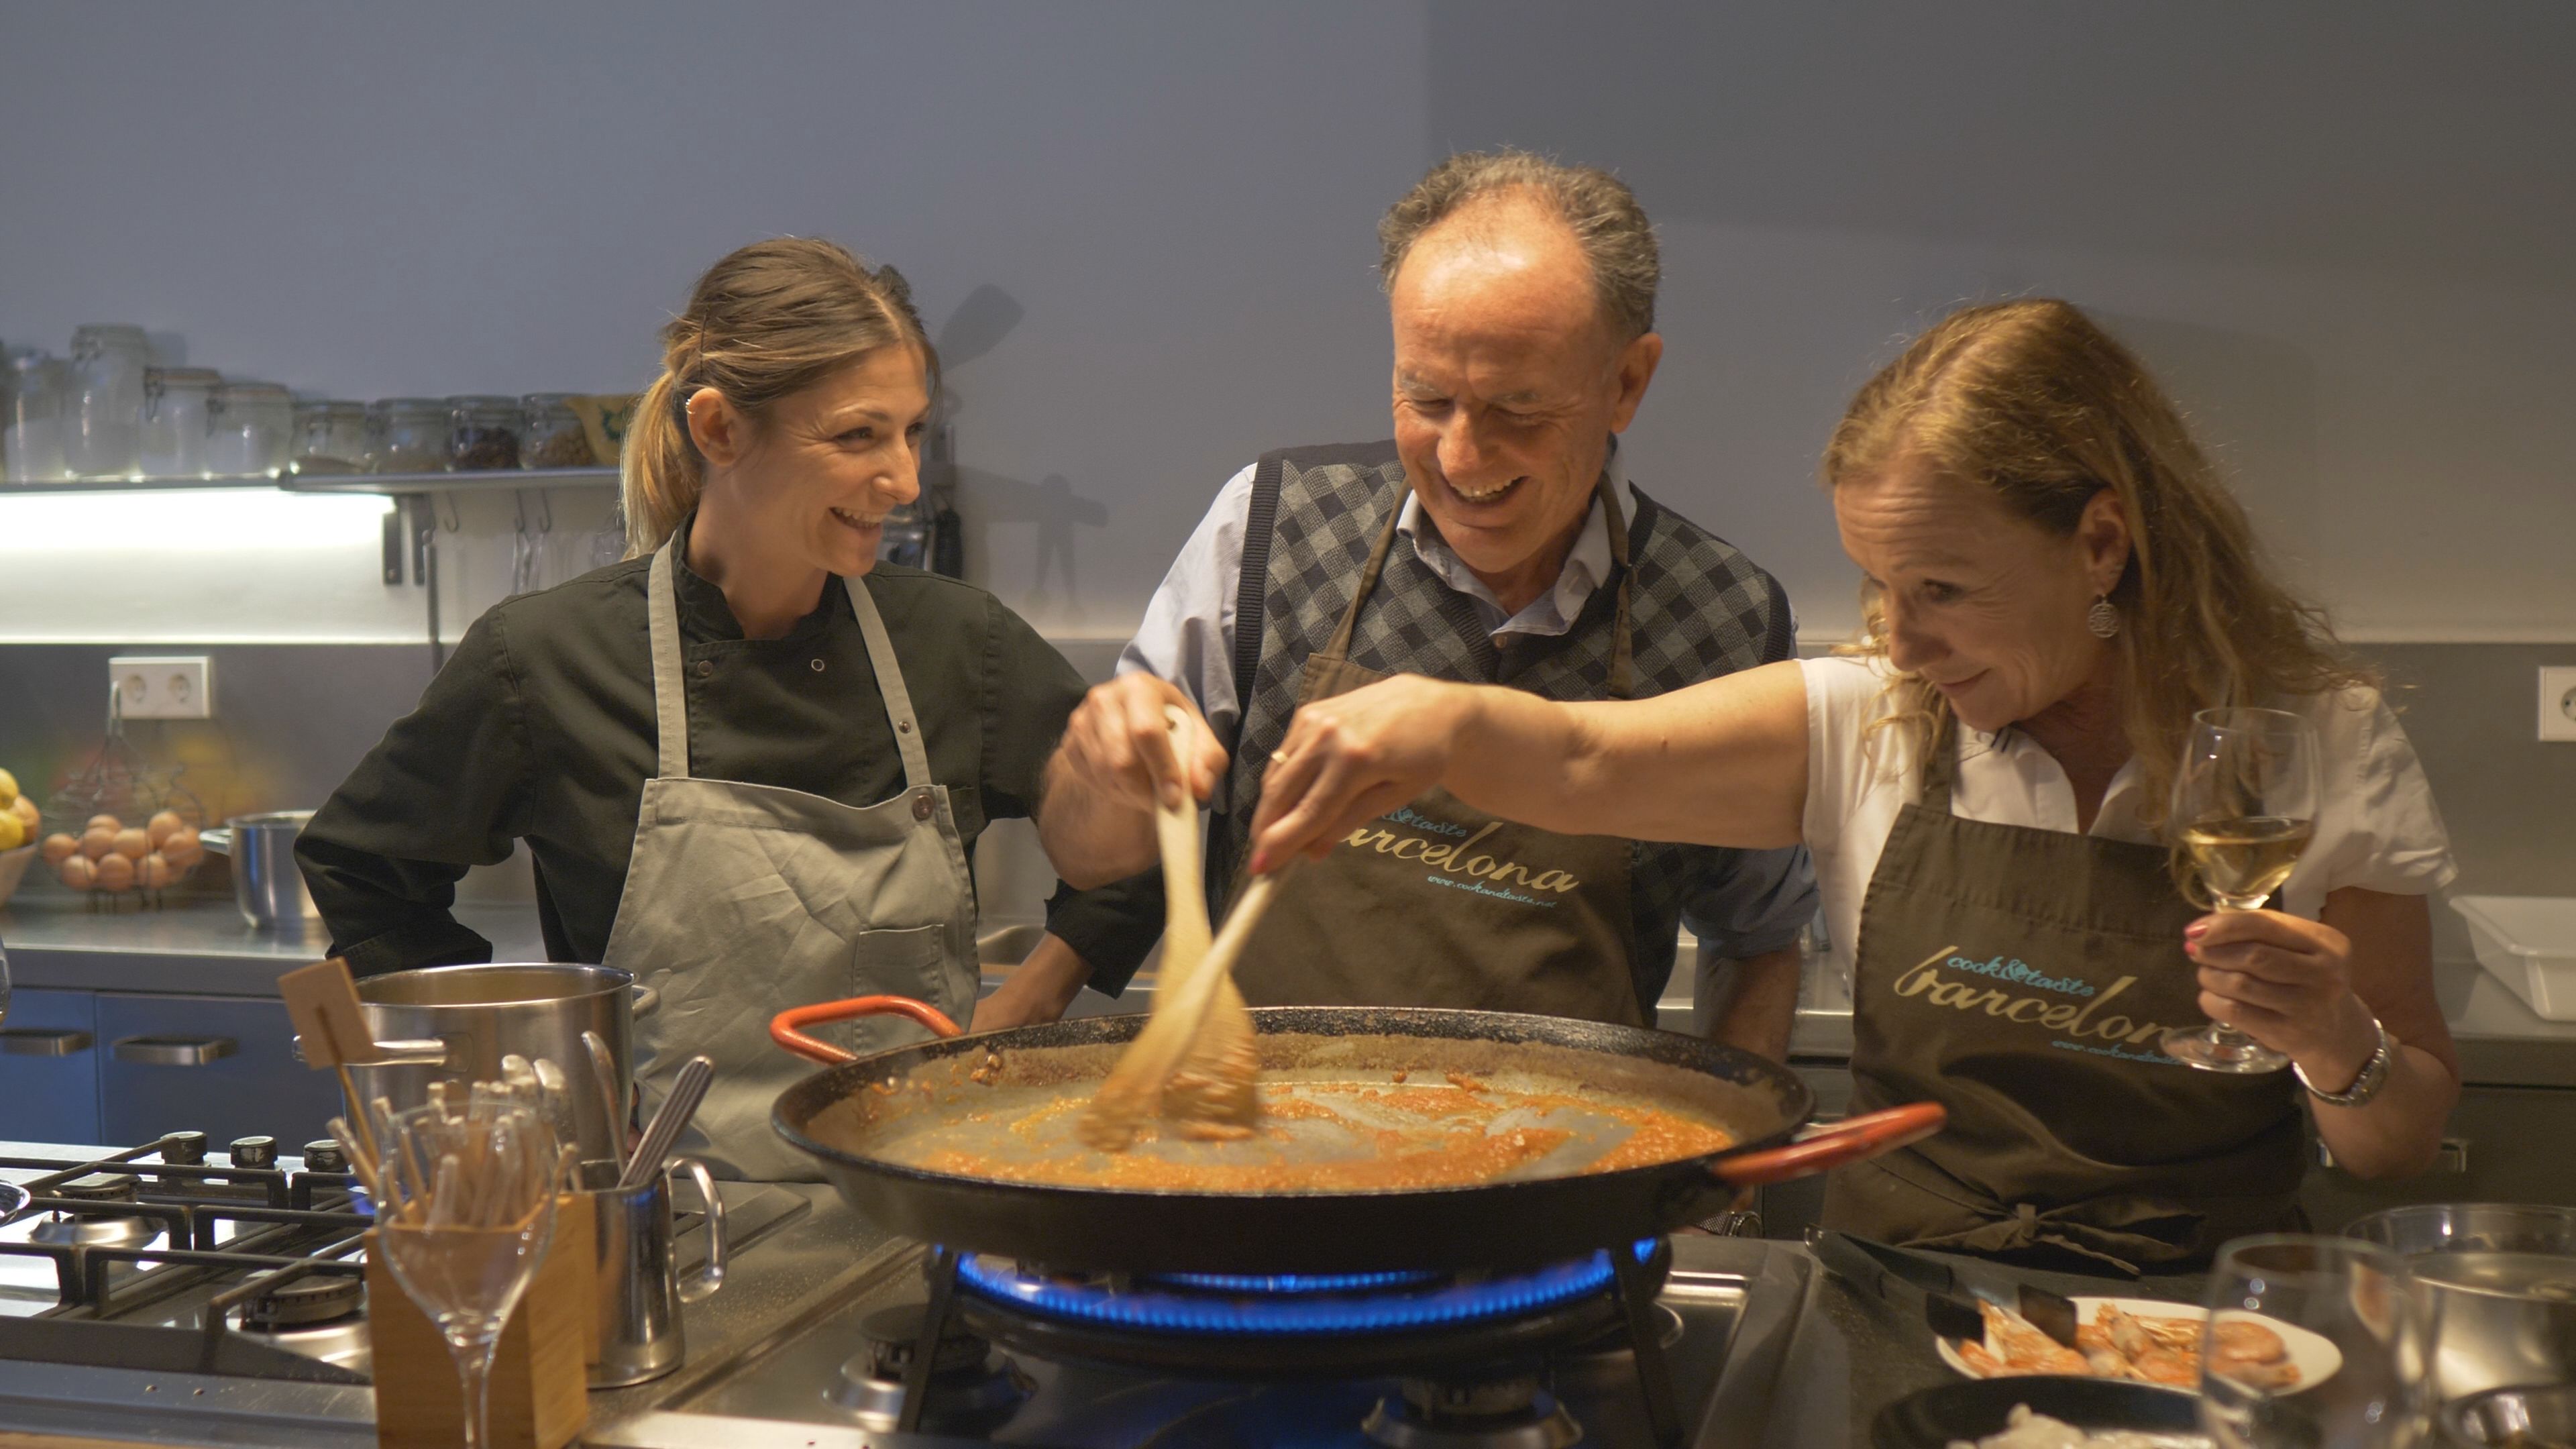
{"x": 2103, "y": 618}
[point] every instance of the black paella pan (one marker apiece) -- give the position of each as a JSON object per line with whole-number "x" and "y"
{"x": 862, "y": 1119}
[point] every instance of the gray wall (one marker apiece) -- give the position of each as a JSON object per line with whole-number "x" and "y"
{"x": 2341, "y": 230}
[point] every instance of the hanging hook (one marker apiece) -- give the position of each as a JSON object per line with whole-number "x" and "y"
{"x": 454, "y": 522}
{"x": 545, "y": 510}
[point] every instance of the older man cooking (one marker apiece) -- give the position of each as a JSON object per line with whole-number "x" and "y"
{"x": 1495, "y": 539}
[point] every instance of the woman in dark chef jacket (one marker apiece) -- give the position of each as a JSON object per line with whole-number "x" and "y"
{"x": 2056, "y": 582}
{"x": 750, "y": 760}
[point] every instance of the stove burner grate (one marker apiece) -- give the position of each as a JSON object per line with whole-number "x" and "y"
{"x": 1370, "y": 1303}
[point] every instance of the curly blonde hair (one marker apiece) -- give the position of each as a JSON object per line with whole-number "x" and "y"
{"x": 2034, "y": 401}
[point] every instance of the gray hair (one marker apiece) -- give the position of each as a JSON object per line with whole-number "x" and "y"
{"x": 1596, "y": 206}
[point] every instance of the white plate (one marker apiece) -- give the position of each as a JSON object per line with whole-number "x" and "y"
{"x": 2316, "y": 1358}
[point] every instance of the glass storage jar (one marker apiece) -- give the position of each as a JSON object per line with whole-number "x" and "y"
{"x": 31, "y": 418}
{"x": 330, "y": 436}
{"x": 252, "y": 431}
{"x": 103, "y": 420}
{"x": 551, "y": 434}
{"x": 178, "y": 409}
{"x": 483, "y": 433}
{"x": 407, "y": 435}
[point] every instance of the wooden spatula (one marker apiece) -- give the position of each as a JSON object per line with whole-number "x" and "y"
{"x": 1196, "y": 1059}
{"x": 1210, "y": 1095}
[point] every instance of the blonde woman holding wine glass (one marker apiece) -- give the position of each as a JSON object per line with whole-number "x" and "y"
{"x": 2055, "y": 584}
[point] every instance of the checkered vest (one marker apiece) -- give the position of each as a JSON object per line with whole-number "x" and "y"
{"x": 1699, "y": 609}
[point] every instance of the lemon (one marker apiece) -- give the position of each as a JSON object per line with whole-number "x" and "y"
{"x": 13, "y": 831}
{"x": 8, "y": 790}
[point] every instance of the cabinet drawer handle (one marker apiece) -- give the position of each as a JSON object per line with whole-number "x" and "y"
{"x": 173, "y": 1051}
{"x": 39, "y": 1041}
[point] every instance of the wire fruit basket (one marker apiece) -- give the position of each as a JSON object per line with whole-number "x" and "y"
{"x": 138, "y": 832}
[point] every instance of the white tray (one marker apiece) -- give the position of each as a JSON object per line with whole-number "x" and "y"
{"x": 2529, "y": 944}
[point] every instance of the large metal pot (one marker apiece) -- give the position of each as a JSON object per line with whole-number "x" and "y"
{"x": 455, "y": 1023}
{"x": 2499, "y": 1286}
{"x": 267, "y": 885}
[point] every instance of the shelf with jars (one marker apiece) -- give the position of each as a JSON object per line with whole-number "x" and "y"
{"x": 106, "y": 420}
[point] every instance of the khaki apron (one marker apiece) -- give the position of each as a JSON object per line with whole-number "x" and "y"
{"x": 743, "y": 900}
{"x": 1441, "y": 904}
{"x": 2022, "y": 977}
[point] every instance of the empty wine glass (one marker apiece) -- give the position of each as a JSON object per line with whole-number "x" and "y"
{"x": 2244, "y": 808}
{"x": 2312, "y": 1343}
{"x": 473, "y": 1206}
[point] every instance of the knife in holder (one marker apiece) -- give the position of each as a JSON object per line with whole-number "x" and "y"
{"x": 1950, "y": 1307}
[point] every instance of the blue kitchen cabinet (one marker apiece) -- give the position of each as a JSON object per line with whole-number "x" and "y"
{"x": 49, "y": 1068}
{"x": 221, "y": 1065}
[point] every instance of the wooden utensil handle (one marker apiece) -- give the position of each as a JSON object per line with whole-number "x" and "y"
{"x": 784, "y": 1027}
{"x": 1854, "y": 1139}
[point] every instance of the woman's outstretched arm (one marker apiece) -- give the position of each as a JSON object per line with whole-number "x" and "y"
{"x": 1719, "y": 763}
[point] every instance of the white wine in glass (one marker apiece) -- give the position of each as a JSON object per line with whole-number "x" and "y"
{"x": 2244, "y": 809}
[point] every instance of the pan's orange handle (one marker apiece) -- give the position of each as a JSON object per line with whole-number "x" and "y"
{"x": 1854, "y": 1139}
{"x": 783, "y": 1028}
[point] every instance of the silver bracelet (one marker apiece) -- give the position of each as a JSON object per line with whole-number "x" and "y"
{"x": 2374, "y": 1074}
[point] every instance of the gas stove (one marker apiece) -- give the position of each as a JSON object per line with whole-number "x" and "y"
{"x": 182, "y": 1294}
{"x": 1034, "y": 1356}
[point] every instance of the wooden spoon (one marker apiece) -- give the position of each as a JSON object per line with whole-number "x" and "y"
{"x": 1210, "y": 1094}
{"x": 1196, "y": 1059}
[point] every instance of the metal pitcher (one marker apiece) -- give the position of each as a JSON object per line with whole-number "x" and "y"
{"x": 455, "y": 1023}
{"x": 640, "y": 1289}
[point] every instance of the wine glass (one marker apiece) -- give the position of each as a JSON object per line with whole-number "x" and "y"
{"x": 2266, "y": 1382}
{"x": 473, "y": 1205}
{"x": 2244, "y": 808}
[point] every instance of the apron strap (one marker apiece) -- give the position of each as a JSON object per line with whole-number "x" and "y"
{"x": 1340, "y": 648}
{"x": 670, "y": 687}
{"x": 1622, "y": 657}
{"x": 890, "y": 687}
{"x": 1940, "y": 765}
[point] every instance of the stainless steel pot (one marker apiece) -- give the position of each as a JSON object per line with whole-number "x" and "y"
{"x": 267, "y": 885}
{"x": 455, "y": 1023}
{"x": 2499, "y": 1287}
{"x": 2525, "y": 1418}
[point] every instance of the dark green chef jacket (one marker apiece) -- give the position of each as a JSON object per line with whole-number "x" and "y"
{"x": 541, "y": 728}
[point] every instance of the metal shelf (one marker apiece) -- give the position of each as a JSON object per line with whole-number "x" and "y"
{"x": 498, "y": 480}
{"x": 391, "y": 484}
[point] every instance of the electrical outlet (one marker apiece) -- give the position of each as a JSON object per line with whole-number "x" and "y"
{"x": 168, "y": 686}
{"x": 2558, "y": 704}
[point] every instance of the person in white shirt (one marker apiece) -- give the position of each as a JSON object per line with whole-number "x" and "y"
{"x": 2056, "y": 583}
{"x": 1497, "y": 538}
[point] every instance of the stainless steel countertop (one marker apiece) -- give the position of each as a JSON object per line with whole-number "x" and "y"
{"x": 203, "y": 947}
{"x": 200, "y": 946}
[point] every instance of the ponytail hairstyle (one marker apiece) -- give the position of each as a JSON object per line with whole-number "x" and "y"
{"x": 769, "y": 320}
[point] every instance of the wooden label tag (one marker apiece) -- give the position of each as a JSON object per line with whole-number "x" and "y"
{"x": 322, "y": 1000}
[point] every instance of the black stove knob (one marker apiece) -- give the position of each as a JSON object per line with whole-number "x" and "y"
{"x": 254, "y": 1152}
{"x": 325, "y": 1156}
{"x": 184, "y": 1149}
